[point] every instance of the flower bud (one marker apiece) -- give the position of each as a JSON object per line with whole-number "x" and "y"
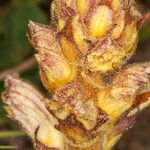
{"x": 54, "y": 68}
{"x": 120, "y": 97}
{"x": 106, "y": 57}
{"x": 100, "y": 22}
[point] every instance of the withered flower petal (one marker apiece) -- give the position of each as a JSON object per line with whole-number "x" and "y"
{"x": 27, "y": 108}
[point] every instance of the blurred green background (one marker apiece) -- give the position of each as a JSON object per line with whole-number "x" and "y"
{"x": 14, "y": 49}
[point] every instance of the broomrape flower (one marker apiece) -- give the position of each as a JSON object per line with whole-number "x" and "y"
{"x": 88, "y": 41}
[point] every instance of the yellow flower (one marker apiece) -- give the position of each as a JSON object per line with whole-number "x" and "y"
{"x": 55, "y": 69}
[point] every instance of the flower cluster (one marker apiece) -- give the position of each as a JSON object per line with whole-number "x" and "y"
{"x": 95, "y": 99}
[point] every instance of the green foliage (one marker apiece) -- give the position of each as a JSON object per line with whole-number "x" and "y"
{"x": 25, "y": 2}
{"x": 145, "y": 32}
{"x": 13, "y": 22}
{"x": 8, "y": 134}
{"x": 8, "y": 147}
